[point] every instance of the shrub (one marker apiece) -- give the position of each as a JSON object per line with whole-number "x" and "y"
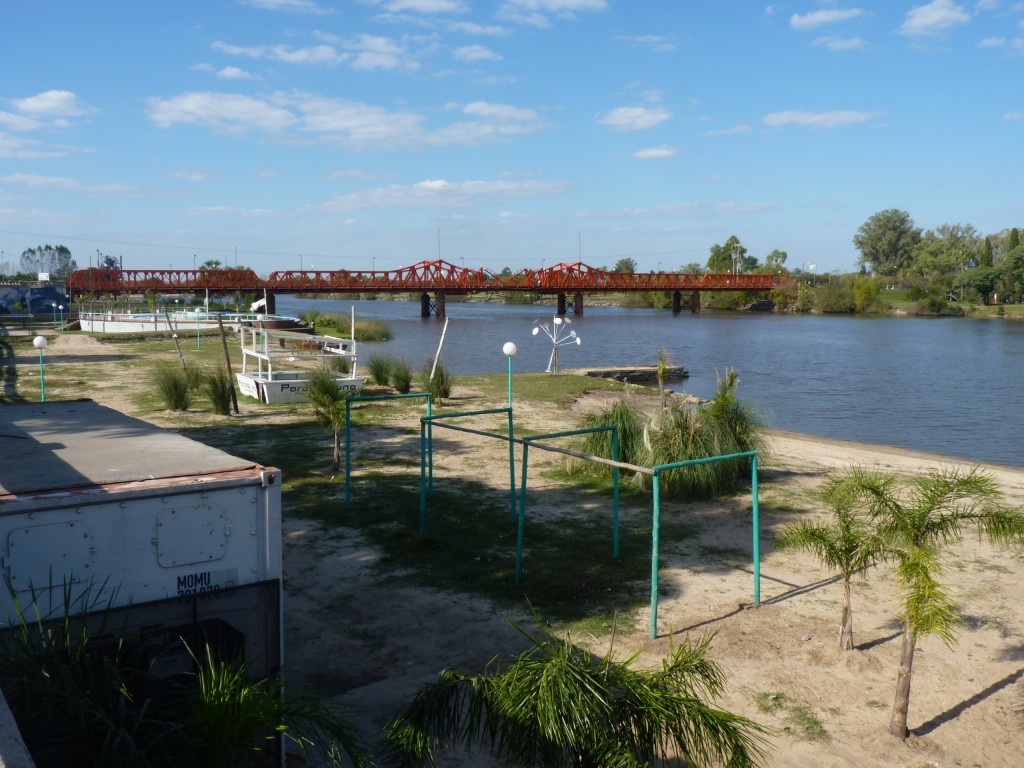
{"x": 218, "y": 386}
{"x": 441, "y": 384}
{"x": 339, "y": 364}
{"x": 623, "y": 414}
{"x": 372, "y": 330}
{"x": 401, "y": 376}
{"x": 380, "y": 368}
{"x": 175, "y": 386}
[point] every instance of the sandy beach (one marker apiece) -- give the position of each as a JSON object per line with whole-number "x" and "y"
{"x": 372, "y": 641}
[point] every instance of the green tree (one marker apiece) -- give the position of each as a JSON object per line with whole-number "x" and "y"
{"x": 986, "y": 256}
{"x": 56, "y": 260}
{"x": 866, "y": 291}
{"x": 693, "y": 268}
{"x": 886, "y": 241}
{"x": 729, "y": 257}
{"x": 211, "y": 264}
{"x": 776, "y": 261}
{"x": 627, "y": 266}
{"x": 328, "y": 404}
{"x": 981, "y": 280}
{"x": 557, "y": 705}
{"x": 1013, "y": 240}
{"x": 916, "y": 521}
{"x": 847, "y": 545}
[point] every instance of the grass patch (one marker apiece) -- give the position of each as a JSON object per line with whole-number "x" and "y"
{"x": 799, "y": 719}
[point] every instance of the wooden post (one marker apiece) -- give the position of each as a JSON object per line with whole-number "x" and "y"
{"x": 227, "y": 361}
{"x": 174, "y": 337}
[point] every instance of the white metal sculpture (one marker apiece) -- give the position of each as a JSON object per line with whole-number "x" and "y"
{"x": 560, "y": 335}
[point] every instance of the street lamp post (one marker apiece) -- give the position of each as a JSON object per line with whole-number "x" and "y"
{"x": 509, "y": 349}
{"x": 54, "y": 306}
{"x": 39, "y": 342}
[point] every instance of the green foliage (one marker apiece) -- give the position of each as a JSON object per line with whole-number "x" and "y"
{"x": 915, "y": 521}
{"x": 232, "y": 720}
{"x": 627, "y": 418}
{"x": 328, "y": 403}
{"x": 626, "y": 265}
{"x": 440, "y": 385}
{"x": 176, "y": 385}
{"x": 401, "y": 376}
{"x": 310, "y": 317}
{"x": 219, "y": 387}
{"x": 834, "y": 298}
{"x": 866, "y": 293}
{"x": 338, "y": 364}
{"x": 558, "y": 705}
{"x": 372, "y": 330}
{"x": 380, "y": 368}
{"x": 886, "y": 241}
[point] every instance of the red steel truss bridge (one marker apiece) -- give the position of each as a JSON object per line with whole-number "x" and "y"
{"x": 433, "y": 280}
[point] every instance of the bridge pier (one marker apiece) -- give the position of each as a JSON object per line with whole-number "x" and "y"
{"x": 677, "y": 302}
{"x": 432, "y": 306}
{"x": 695, "y": 302}
{"x": 575, "y": 304}
{"x": 271, "y": 305}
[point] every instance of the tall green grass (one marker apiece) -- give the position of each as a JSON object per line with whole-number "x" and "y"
{"x": 176, "y": 385}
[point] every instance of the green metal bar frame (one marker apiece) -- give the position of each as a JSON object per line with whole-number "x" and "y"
{"x": 427, "y": 447}
{"x": 348, "y": 434}
{"x": 522, "y": 488}
{"x": 656, "y": 525}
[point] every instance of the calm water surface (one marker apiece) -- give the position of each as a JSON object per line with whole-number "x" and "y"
{"x": 947, "y": 386}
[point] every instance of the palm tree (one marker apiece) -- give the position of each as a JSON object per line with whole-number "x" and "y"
{"x": 847, "y": 545}
{"x": 915, "y": 521}
{"x": 328, "y": 408}
{"x": 557, "y": 705}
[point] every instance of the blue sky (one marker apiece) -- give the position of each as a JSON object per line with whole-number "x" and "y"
{"x": 378, "y": 133}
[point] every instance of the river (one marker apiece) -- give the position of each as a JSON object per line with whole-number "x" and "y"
{"x": 942, "y": 385}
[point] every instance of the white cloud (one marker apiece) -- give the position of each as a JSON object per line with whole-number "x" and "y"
{"x": 934, "y": 18}
{"x": 440, "y": 193}
{"x": 228, "y": 112}
{"x": 656, "y": 43}
{"x": 51, "y": 104}
{"x": 232, "y": 212}
{"x": 835, "y": 43}
{"x": 656, "y": 153}
{"x": 188, "y": 175}
{"x": 425, "y": 6}
{"x": 293, "y": 6}
{"x": 22, "y": 123}
{"x": 538, "y": 13}
{"x": 992, "y": 42}
{"x": 816, "y": 19}
{"x": 316, "y": 54}
{"x": 234, "y": 73}
{"x": 1014, "y": 116}
{"x": 499, "y": 112}
{"x": 39, "y": 181}
{"x": 735, "y": 130}
{"x": 470, "y": 28}
{"x": 826, "y": 119}
{"x": 472, "y": 53}
{"x": 635, "y": 118}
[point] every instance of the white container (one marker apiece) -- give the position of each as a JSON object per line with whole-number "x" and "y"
{"x": 111, "y": 511}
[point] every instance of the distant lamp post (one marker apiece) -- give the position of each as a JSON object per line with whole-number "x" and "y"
{"x": 61, "y": 307}
{"x": 560, "y": 336}
{"x": 54, "y": 306}
{"x": 509, "y": 349}
{"x": 39, "y": 342}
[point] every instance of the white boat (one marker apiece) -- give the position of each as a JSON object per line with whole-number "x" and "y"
{"x": 277, "y": 364}
{"x": 178, "y": 322}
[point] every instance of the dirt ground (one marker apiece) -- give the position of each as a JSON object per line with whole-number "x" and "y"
{"x": 373, "y": 642}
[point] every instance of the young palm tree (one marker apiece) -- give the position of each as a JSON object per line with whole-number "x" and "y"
{"x": 916, "y": 521}
{"x": 328, "y": 408}
{"x": 557, "y": 706}
{"x": 847, "y": 545}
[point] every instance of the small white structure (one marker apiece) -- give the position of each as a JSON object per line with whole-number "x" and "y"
{"x": 178, "y": 321}
{"x": 277, "y": 365}
{"x": 103, "y": 512}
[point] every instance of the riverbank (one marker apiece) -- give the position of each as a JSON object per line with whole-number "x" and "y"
{"x": 369, "y": 633}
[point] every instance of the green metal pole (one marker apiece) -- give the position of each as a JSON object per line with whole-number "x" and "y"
{"x": 522, "y": 516}
{"x": 423, "y": 478}
{"x": 615, "y": 492}
{"x": 42, "y": 380}
{"x": 757, "y": 532}
{"x": 511, "y": 468}
{"x": 199, "y": 340}
{"x": 655, "y": 524}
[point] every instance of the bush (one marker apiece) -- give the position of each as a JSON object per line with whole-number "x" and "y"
{"x": 339, "y": 364}
{"x": 176, "y": 386}
{"x": 401, "y": 376}
{"x": 623, "y": 414}
{"x": 219, "y": 387}
{"x": 380, "y": 368}
{"x": 441, "y": 385}
{"x": 372, "y": 330}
